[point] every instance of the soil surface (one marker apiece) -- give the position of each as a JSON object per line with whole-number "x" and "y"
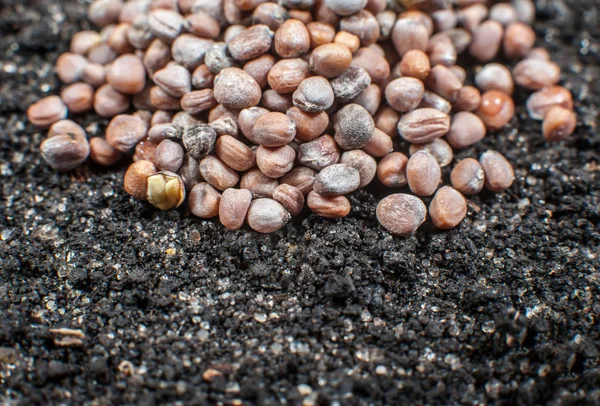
{"x": 170, "y": 309}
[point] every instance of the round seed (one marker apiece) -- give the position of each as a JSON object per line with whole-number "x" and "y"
{"x": 166, "y": 190}
{"x": 286, "y": 75}
{"x": 258, "y": 183}
{"x": 66, "y": 127}
{"x": 135, "y": 181}
{"x": 363, "y": 163}
{"x": 330, "y": 60}
{"x": 353, "y": 126}
{"x": 423, "y": 173}
{"x": 108, "y": 102}
{"x": 495, "y": 76}
{"x": 439, "y": 149}
{"x": 247, "y": 120}
{"x": 104, "y": 12}
{"x": 273, "y": 130}
{"x": 535, "y": 74}
{"x": 519, "y": 39}
{"x": 468, "y": 177}
{"x": 159, "y": 132}
{"x": 496, "y": 109}
{"x": 144, "y": 150}
{"x": 308, "y": 125}
{"x": 391, "y": 170}
{"x": 370, "y": 99}
{"x": 362, "y": 24}
{"x": 124, "y": 131}
{"x": 127, "y": 74}
{"x": 168, "y": 156}
{"x": 333, "y": 207}
{"x": 346, "y": 7}
{"x": 252, "y": 43}
{"x": 379, "y": 145}
{"x": 386, "y": 120}
{"x": 202, "y": 25}
{"x": 234, "y": 153}
{"x": 166, "y": 25}
{"x": 292, "y": 39}
{"x": 347, "y": 39}
{"x": 320, "y": 33}
{"x": 78, "y": 97}
{"x": 259, "y": 68}
{"x": 466, "y": 129}
{"x": 468, "y": 99}
{"x": 301, "y": 177}
{"x": 47, "y": 111}
{"x": 267, "y": 216}
{"x": 94, "y": 74}
{"x": 217, "y": 174}
{"x": 487, "y": 39}
{"x": 204, "y": 201}
{"x": 338, "y": 179}
{"x": 543, "y": 100}
{"x": 174, "y": 80}
{"x": 198, "y": 101}
{"x": 199, "y": 140}
{"x": 423, "y": 125}
{"x": 65, "y": 152}
{"x": 504, "y": 13}
{"x": 319, "y": 153}
{"x": 290, "y": 197}
{"x": 404, "y": 94}
{"x": 70, "y": 67}
{"x": 118, "y": 41}
{"x": 270, "y": 14}
{"x": 441, "y": 50}
{"x": 401, "y": 214}
{"x": 499, "y": 173}
{"x": 101, "y": 54}
{"x": 102, "y": 153}
{"x": 374, "y": 63}
{"x": 350, "y": 84}
{"x": 218, "y": 58}
{"x": 189, "y": 51}
{"x": 442, "y": 81}
{"x": 313, "y": 95}
{"x": 559, "y": 123}
{"x": 83, "y": 41}
{"x": 157, "y": 56}
{"x": 233, "y": 208}
{"x": 275, "y": 162}
{"x": 415, "y": 63}
{"x": 448, "y": 208}
{"x": 271, "y": 100}
{"x": 409, "y": 34}
{"x": 435, "y": 101}
{"x": 234, "y": 88}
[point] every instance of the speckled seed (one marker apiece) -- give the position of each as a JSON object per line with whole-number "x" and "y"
{"x": 404, "y": 94}
{"x": 448, "y": 208}
{"x": 271, "y": 100}
{"x": 409, "y": 34}
{"x": 423, "y": 125}
{"x": 291, "y": 39}
{"x": 78, "y": 97}
{"x": 301, "y": 177}
{"x": 65, "y": 152}
{"x": 330, "y": 60}
{"x": 234, "y": 207}
{"x": 468, "y": 177}
{"x": 350, "y": 84}
{"x": 217, "y": 174}
{"x": 102, "y": 153}
{"x": 499, "y": 173}
{"x": 47, "y": 111}
{"x": 185, "y": 120}
{"x": 165, "y": 24}
{"x": 543, "y": 100}
{"x": 168, "y": 156}
{"x": 333, "y": 207}
{"x": 559, "y": 123}
{"x": 423, "y": 173}
{"x": 70, "y": 67}
{"x": 204, "y": 201}
{"x": 218, "y": 58}
{"x": 135, "y": 181}
{"x": 199, "y": 140}
{"x": 275, "y": 162}
{"x": 234, "y": 153}
{"x": 519, "y": 39}
{"x": 379, "y": 145}
{"x": 308, "y": 125}
{"x": 391, "y": 170}
{"x": 251, "y": 43}
{"x": 338, "y": 179}
{"x": 313, "y": 95}
{"x": 496, "y": 109}
{"x": 259, "y": 68}
{"x": 320, "y": 33}
{"x": 108, "y": 102}
{"x": 166, "y": 190}
{"x": 353, "y": 126}
{"x": 290, "y": 197}
{"x": 363, "y": 163}
{"x": 225, "y": 126}
{"x": 273, "y": 130}
{"x": 189, "y": 51}
{"x": 320, "y": 153}
{"x": 267, "y": 216}
{"x": 468, "y": 99}
{"x": 287, "y": 74}
{"x": 535, "y": 74}
{"x": 198, "y": 101}
{"x": 401, "y": 214}
{"x": 495, "y": 76}
{"x": 466, "y": 129}
{"x": 346, "y": 7}
{"x": 440, "y": 149}
{"x": 236, "y": 89}
{"x": 487, "y": 39}
{"x": 415, "y": 63}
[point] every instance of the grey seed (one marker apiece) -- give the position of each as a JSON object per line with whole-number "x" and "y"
{"x": 350, "y": 84}
{"x": 423, "y": 125}
{"x": 364, "y": 163}
{"x": 290, "y": 197}
{"x": 468, "y": 177}
{"x": 174, "y": 79}
{"x": 267, "y": 216}
{"x": 439, "y": 149}
{"x": 404, "y": 94}
{"x": 218, "y": 58}
{"x": 401, "y": 214}
{"x": 190, "y": 172}
{"x": 204, "y": 201}
{"x": 189, "y": 50}
{"x": 319, "y": 153}
{"x": 346, "y": 7}
{"x": 65, "y": 152}
{"x": 423, "y": 173}
{"x": 139, "y": 34}
{"x": 314, "y": 95}
{"x": 168, "y": 156}
{"x": 353, "y": 126}
{"x": 236, "y": 89}
{"x": 184, "y": 120}
{"x": 499, "y": 173}
{"x": 234, "y": 207}
{"x": 339, "y": 179}
{"x": 199, "y": 140}
{"x": 225, "y": 126}
{"x": 160, "y": 132}
{"x": 165, "y": 24}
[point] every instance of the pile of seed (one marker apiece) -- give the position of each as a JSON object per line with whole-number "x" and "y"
{"x": 254, "y": 109}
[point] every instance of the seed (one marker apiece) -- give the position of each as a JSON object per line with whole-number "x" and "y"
{"x": 66, "y": 127}
{"x": 225, "y": 126}
{"x": 466, "y": 129}
{"x": 308, "y": 125}
{"x": 135, "y": 181}
{"x": 441, "y": 50}
{"x": 444, "y": 20}
{"x": 124, "y": 131}
{"x": 363, "y": 163}
{"x": 218, "y": 58}
{"x": 161, "y": 117}
{"x": 144, "y": 150}
{"x": 543, "y": 100}
{"x": 525, "y": 9}
{"x": 258, "y": 183}
{"x": 247, "y": 120}
{"x": 198, "y": 101}
{"x": 330, "y": 60}
{"x": 159, "y": 132}
{"x": 138, "y": 33}
{"x": 78, "y": 97}
{"x": 471, "y": 17}
{"x": 145, "y": 116}
{"x": 287, "y": 74}
{"x": 259, "y": 68}
{"x": 302, "y": 15}
{"x": 435, "y": 101}
{"x": 290, "y": 197}
{"x": 346, "y": 7}
{"x": 423, "y": 173}
{"x": 271, "y": 100}
{"x": 468, "y": 177}
{"x": 353, "y": 126}
{"x": 204, "y": 201}
{"x": 174, "y": 80}
{"x": 65, "y": 152}
{"x": 83, "y": 41}
{"x": 535, "y": 74}
{"x": 391, "y": 170}
{"x": 233, "y": 208}
{"x": 404, "y": 94}
{"x": 104, "y": 12}
{"x": 439, "y": 149}
{"x": 313, "y": 95}
{"x": 217, "y": 174}
{"x": 47, "y": 111}
{"x": 487, "y": 38}
{"x": 496, "y": 109}
{"x": 333, "y": 207}
{"x": 234, "y": 153}
{"x": 495, "y": 76}
{"x": 415, "y": 63}
{"x": 347, "y": 39}
{"x": 386, "y": 20}
{"x": 401, "y": 214}
{"x": 320, "y": 33}
{"x": 518, "y": 40}
{"x": 409, "y": 34}
{"x": 190, "y": 172}
{"x": 350, "y": 84}
{"x": 267, "y": 216}
{"x": 166, "y": 190}
{"x": 376, "y": 65}
{"x": 157, "y": 56}
{"x": 168, "y": 156}
{"x": 468, "y": 99}
{"x": 338, "y": 179}
{"x": 275, "y": 162}
{"x": 499, "y": 173}
{"x": 559, "y": 123}
{"x": 236, "y": 89}
{"x": 504, "y": 13}
{"x": 118, "y": 41}
{"x": 362, "y": 24}
{"x": 189, "y": 51}
{"x": 423, "y": 125}
{"x": 387, "y": 121}
{"x": 459, "y": 72}
{"x": 101, "y": 54}
{"x": 270, "y": 14}
{"x": 325, "y": 14}
{"x": 539, "y": 53}
{"x": 370, "y": 99}
{"x": 320, "y": 153}
{"x": 70, "y": 67}
{"x": 273, "y": 130}
{"x": 108, "y": 102}
{"x": 166, "y": 25}
{"x": 199, "y": 140}
{"x": 448, "y": 208}
{"x": 292, "y": 39}
{"x": 202, "y": 25}
{"x": 251, "y": 43}
{"x": 379, "y": 145}
{"x": 102, "y": 153}
{"x": 442, "y": 81}
{"x": 94, "y": 74}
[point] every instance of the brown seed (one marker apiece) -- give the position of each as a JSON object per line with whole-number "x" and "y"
{"x": 466, "y": 129}
{"x": 217, "y": 174}
{"x": 387, "y": 121}
{"x": 82, "y": 42}
{"x": 391, "y": 170}
{"x": 118, "y": 40}
{"x": 539, "y": 53}
{"x": 518, "y": 40}
{"x": 435, "y": 101}
{"x": 370, "y": 99}
{"x": 144, "y": 150}
{"x": 234, "y": 207}
{"x": 338, "y": 179}
{"x": 252, "y": 43}
{"x": 127, "y": 74}
{"x": 468, "y": 99}
{"x": 267, "y": 216}
{"x": 102, "y": 153}
{"x": 290, "y": 197}
{"x": 65, "y": 152}
{"x": 320, "y": 33}
{"x": 404, "y": 94}
{"x": 135, "y": 181}
{"x": 350, "y": 84}
{"x": 487, "y": 38}
{"x": 415, "y": 63}
{"x": 70, "y": 67}
{"x": 379, "y": 145}
{"x": 409, "y": 34}
{"x": 138, "y": 33}
{"x": 499, "y": 173}
{"x": 157, "y": 56}
{"x": 168, "y": 156}
{"x": 401, "y": 214}
{"x": 386, "y": 20}
{"x": 376, "y": 65}
{"x": 108, "y": 102}
{"x": 496, "y": 109}
{"x": 124, "y": 131}
{"x": 292, "y": 39}
{"x": 47, "y": 111}
{"x": 472, "y": 16}
{"x": 198, "y": 101}
{"x": 275, "y": 162}
{"x": 145, "y": 116}
{"x": 258, "y": 183}
{"x": 270, "y": 14}
{"x": 301, "y": 177}
{"x": 202, "y": 25}
{"x": 287, "y": 74}
{"x": 247, "y": 119}
{"x": 104, "y": 12}
{"x": 259, "y": 68}
{"x": 143, "y": 100}
{"x": 302, "y": 15}
{"x": 504, "y": 13}
{"x": 362, "y": 24}
{"x": 159, "y": 132}
{"x": 166, "y": 190}
{"x": 535, "y": 74}
{"x": 330, "y": 60}
{"x": 347, "y": 39}
{"x": 423, "y": 173}
{"x": 189, "y": 51}
{"x": 190, "y": 172}
{"x": 448, "y": 208}
{"x": 166, "y": 25}
{"x": 273, "y": 130}
{"x": 174, "y": 80}
{"x": 66, "y": 127}
{"x": 161, "y": 117}
{"x": 234, "y": 153}
{"x": 162, "y": 101}
{"x": 333, "y": 207}
{"x": 325, "y": 14}
{"x": 353, "y": 126}
{"x": 559, "y": 123}
{"x": 236, "y": 89}
{"x": 271, "y": 100}
{"x": 468, "y": 177}
{"x": 423, "y": 125}
{"x": 442, "y": 81}
{"x": 543, "y": 100}
{"x": 101, "y": 54}
{"x": 439, "y": 149}
{"x": 459, "y": 72}
{"x": 78, "y": 97}
{"x": 441, "y": 50}
{"x": 495, "y": 76}
{"x": 419, "y": 16}
{"x": 308, "y": 125}
{"x": 461, "y": 39}
{"x": 444, "y": 20}
{"x": 346, "y": 7}
{"x": 314, "y": 95}
{"x": 204, "y": 201}
{"x": 94, "y": 74}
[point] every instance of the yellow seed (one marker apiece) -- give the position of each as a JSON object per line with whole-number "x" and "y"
{"x": 166, "y": 190}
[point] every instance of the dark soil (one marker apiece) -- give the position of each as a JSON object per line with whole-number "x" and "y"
{"x": 502, "y": 310}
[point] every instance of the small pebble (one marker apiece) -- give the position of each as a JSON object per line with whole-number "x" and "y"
{"x": 333, "y": 207}
{"x": 468, "y": 177}
{"x": 233, "y": 208}
{"x": 204, "y": 201}
{"x": 401, "y": 214}
{"x": 338, "y": 179}
{"x": 135, "y": 181}
{"x": 423, "y": 173}
{"x": 559, "y": 124}
{"x": 448, "y": 208}
{"x": 391, "y": 170}
{"x": 166, "y": 190}
{"x": 125, "y": 131}
{"x": 47, "y": 111}
{"x": 499, "y": 173}
{"x": 267, "y": 216}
